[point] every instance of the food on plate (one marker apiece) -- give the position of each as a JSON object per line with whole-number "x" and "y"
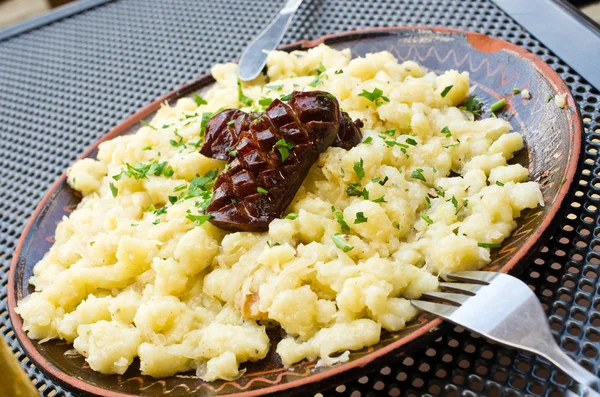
{"x": 270, "y": 158}
{"x": 137, "y": 270}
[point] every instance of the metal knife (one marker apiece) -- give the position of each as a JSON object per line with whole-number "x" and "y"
{"x": 254, "y": 57}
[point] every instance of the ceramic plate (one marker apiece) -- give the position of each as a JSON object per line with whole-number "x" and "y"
{"x": 552, "y": 136}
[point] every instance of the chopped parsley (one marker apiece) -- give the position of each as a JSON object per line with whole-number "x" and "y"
{"x": 375, "y": 96}
{"x": 161, "y": 210}
{"x": 354, "y": 189}
{"x": 265, "y": 101}
{"x": 488, "y": 245}
{"x": 199, "y": 219}
{"x": 360, "y": 218}
{"x": 113, "y": 189}
{"x": 232, "y": 153}
{"x": 283, "y": 147}
{"x": 199, "y": 100}
{"x": 204, "y": 121}
{"x": 516, "y": 91}
{"x": 177, "y": 143}
{"x": 359, "y": 169}
{"x": 452, "y": 145}
{"x": 454, "y": 203}
{"x": 418, "y": 174}
{"x": 321, "y": 68}
{"x": 231, "y": 122}
{"x": 328, "y": 95}
{"x": 173, "y": 199}
{"x": 365, "y": 193}
{"x": 499, "y": 183}
{"x": 156, "y": 221}
{"x": 472, "y": 105}
{"x": 380, "y": 200}
{"x": 446, "y": 131}
{"x": 498, "y": 105}
{"x": 147, "y": 147}
{"x": 411, "y": 141}
{"x": 141, "y": 170}
{"x": 390, "y": 132}
{"x": 428, "y": 200}
{"x": 291, "y": 215}
{"x": 426, "y": 218}
{"x": 446, "y": 91}
{"x": 440, "y": 191}
{"x": 241, "y": 97}
{"x": 340, "y": 219}
{"x": 286, "y": 97}
{"x": 262, "y": 190}
{"x": 274, "y": 87}
{"x": 340, "y": 242}
{"x": 145, "y": 124}
{"x": 339, "y": 71}
{"x": 368, "y": 140}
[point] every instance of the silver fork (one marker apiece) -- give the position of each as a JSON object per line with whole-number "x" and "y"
{"x": 504, "y": 309}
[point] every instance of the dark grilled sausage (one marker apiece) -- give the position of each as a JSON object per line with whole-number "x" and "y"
{"x": 224, "y": 129}
{"x": 256, "y": 186}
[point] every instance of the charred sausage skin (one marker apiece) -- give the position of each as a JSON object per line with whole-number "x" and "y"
{"x": 257, "y": 186}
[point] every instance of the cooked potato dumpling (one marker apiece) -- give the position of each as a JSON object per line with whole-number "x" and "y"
{"x": 137, "y": 271}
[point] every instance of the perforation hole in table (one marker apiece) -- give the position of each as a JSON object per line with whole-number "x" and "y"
{"x": 64, "y": 85}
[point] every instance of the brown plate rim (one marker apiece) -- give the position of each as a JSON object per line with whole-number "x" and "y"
{"x": 477, "y": 40}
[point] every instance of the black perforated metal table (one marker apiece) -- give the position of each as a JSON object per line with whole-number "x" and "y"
{"x": 69, "y": 77}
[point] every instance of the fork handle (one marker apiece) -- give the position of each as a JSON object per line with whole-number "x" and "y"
{"x": 590, "y": 382}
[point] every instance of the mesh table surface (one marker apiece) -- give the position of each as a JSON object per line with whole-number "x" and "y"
{"x": 64, "y": 85}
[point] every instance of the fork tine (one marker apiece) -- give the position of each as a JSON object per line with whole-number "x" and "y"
{"x": 463, "y": 287}
{"x": 439, "y": 309}
{"x": 447, "y": 296}
{"x": 476, "y": 276}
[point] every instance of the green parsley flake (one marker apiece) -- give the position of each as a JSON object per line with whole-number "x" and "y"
{"x": 262, "y": 190}
{"x": 440, "y": 191}
{"x": 340, "y": 241}
{"x": 446, "y": 91}
{"x": 359, "y": 169}
{"x": 328, "y": 95}
{"x": 199, "y": 219}
{"x": 472, "y": 105}
{"x": 368, "y": 140}
{"x": 498, "y": 105}
{"x": 243, "y": 99}
{"x": 113, "y": 189}
{"x": 173, "y": 199}
{"x": 390, "y": 132}
{"x": 286, "y": 97}
{"x": 339, "y": 71}
{"x": 232, "y": 153}
{"x": 516, "y": 91}
{"x": 452, "y": 145}
{"x": 411, "y": 141}
{"x": 204, "y": 121}
{"x": 499, "y": 183}
{"x": 145, "y": 124}
{"x": 283, "y": 148}
{"x": 365, "y": 193}
{"x": 454, "y": 203}
{"x": 291, "y": 215}
{"x": 360, "y": 218}
{"x": 231, "y": 122}
{"x": 354, "y": 189}
{"x": 199, "y": 100}
{"x": 156, "y": 221}
{"x": 375, "y": 96}
{"x": 147, "y": 147}
{"x": 488, "y": 245}
{"x": 428, "y": 200}
{"x": 380, "y": 200}
{"x": 426, "y": 218}
{"x": 141, "y": 170}
{"x": 446, "y": 131}
{"x": 177, "y": 143}
{"x": 265, "y": 101}
{"x": 274, "y": 87}
{"x": 340, "y": 219}
{"x": 418, "y": 174}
